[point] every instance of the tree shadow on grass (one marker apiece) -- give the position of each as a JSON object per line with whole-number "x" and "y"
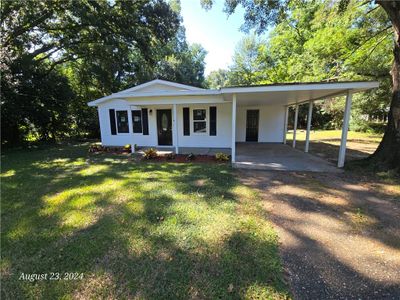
{"x": 333, "y": 227}
{"x": 329, "y": 151}
{"x": 134, "y": 230}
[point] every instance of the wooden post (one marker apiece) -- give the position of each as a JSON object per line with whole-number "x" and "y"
{"x": 296, "y": 115}
{"x": 309, "y": 116}
{"x": 345, "y": 129}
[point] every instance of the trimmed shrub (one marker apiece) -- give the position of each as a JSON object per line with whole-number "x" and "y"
{"x": 127, "y": 148}
{"x": 222, "y": 156}
{"x": 191, "y": 156}
{"x": 95, "y": 148}
{"x": 150, "y": 153}
{"x": 170, "y": 156}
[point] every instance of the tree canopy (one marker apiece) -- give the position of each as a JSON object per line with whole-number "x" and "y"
{"x": 58, "y": 55}
{"x": 335, "y": 40}
{"x": 314, "y": 42}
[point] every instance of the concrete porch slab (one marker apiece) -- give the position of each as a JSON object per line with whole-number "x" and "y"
{"x": 265, "y": 156}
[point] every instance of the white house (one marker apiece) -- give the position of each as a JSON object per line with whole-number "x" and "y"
{"x": 160, "y": 114}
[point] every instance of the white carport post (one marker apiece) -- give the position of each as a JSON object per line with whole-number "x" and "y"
{"x": 296, "y": 115}
{"x": 176, "y": 129}
{"x": 345, "y": 129}
{"x": 285, "y": 125}
{"x": 130, "y": 121}
{"x": 233, "y": 145}
{"x": 309, "y": 116}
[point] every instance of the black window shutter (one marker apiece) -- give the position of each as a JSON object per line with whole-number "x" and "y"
{"x": 137, "y": 121}
{"x": 213, "y": 120}
{"x": 186, "y": 121}
{"x": 145, "y": 121}
{"x": 112, "y": 122}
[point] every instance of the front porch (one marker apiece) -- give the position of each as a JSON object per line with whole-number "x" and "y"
{"x": 278, "y": 157}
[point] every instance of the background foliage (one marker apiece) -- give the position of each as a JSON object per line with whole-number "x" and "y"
{"x": 314, "y": 41}
{"x": 58, "y": 55}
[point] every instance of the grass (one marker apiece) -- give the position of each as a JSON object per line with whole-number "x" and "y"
{"x": 334, "y": 136}
{"x": 135, "y": 230}
{"x": 326, "y": 143}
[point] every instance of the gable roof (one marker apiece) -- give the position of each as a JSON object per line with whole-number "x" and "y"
{"x": 172, "y": 86}
{"x": 177, "y": 86}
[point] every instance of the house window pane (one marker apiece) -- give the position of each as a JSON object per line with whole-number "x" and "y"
{"x": 199, "y": 114}
{"x": 137, "y": 121}
{"x": 199, "y": 121}
{"x": 199, "y": 127}
{"x": 122, "y": 121}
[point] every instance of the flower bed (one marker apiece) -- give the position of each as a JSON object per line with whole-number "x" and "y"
{"x": 183, "y": 158}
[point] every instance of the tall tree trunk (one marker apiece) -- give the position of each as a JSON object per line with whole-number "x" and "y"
{"x": 387, "y": 156}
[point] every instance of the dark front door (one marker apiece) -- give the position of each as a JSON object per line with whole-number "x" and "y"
{"x": 164, "y": 126}
{"x": 252, "y": 125}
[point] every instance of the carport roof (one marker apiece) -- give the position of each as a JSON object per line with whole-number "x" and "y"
{"x": 293, "y": 93}
{"x": 278, "y": 93}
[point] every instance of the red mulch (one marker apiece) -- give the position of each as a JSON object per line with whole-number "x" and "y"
{"x": 181, "y": 158}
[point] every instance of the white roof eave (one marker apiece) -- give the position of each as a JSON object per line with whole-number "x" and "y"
{"x": 344, "y": 86}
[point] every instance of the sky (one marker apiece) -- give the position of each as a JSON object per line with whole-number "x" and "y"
{"x": 214, "y": 30}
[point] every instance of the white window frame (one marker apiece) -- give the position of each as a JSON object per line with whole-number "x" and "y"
{"x": 192, "y": 120}
{"x": 116, "y": 121}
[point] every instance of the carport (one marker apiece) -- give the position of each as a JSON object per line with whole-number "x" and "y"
{"x": 278, "y": 156}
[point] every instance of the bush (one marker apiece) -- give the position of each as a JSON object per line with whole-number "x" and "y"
{"x": 191, "y": 156}
{"x": 150, "y": 153}
{"x": 136, "y": 147}
{"x": 127, "y": 148}
{"x": 367, "y": 126}
{"x": 170, "y": 156}
{"x": 222, "y": 156}
{"x": 95, "y": 148}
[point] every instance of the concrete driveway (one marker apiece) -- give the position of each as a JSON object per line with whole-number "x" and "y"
{"x": 266, "y": 156}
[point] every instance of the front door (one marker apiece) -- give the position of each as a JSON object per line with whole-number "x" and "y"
{"x": 164, "y": 127}
{"x": 252, "y": 125}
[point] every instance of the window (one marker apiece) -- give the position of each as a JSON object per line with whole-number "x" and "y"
{"x": 199, "y": 121}
{"x": 137, "y": 121}
{"x": 122, "y": 121}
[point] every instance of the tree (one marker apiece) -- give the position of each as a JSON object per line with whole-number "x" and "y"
{"x": 57, "y": 55}
{"x": 259, "y": 15}
{"x": 388, "y": 152}
{"x": 246, "y": 68}
{"x": 217, "y": 79}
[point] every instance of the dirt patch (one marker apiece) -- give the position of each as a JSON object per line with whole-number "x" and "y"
{"x": 340, "y": 234}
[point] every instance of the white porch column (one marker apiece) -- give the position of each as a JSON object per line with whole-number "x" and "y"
{"x": 296, "y": 115}
{"x": 233, "y": 145}
{"x": 285, "y": 125}
{"x": 175, "y": 116}
{"x": 130, "y": 122}
{"x": 345, "y": 129}
{"x": 309, "y": 116}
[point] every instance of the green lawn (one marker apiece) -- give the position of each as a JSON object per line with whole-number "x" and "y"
{"x": 326, "y": 143}
{"x": 335, "y": 135}
{"x": 135, "y": 230}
